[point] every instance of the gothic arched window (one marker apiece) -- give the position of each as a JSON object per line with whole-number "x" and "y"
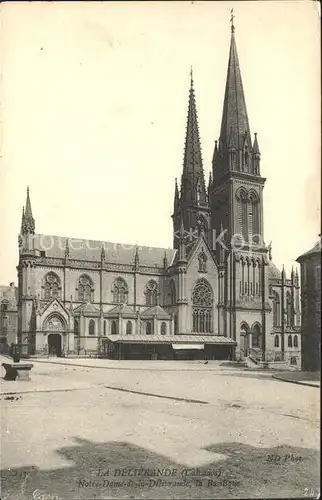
{"x": 253, "y": 217}
{"x": 172, "y": 287}
{"x": 289, "y": 341}
{"x": 114, "y": 327}
{"x": 151, "y": 293}
{"x": 276, "y": 341}
{"x": 163, "y": 328}
{"x": 202, "y": 258}
{"x": 149, "y": 328}
{"x": 91, "y": 327}
{"x": 241, "y": 197}
{"x": 85, "y": 289}
{"x": 295, "y": 342}
{"x": 129, "y": 327}
{"x": 276, "y": 309}
{"x": 202, "y": 299}
{"x": 120, "y": 291}
{"x": 51, "y": 286}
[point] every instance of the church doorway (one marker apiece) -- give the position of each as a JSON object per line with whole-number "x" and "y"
{"x": 54, "y": 344}
{"x": 244, "y": 340}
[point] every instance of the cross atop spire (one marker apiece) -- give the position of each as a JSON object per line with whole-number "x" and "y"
{"x": 232, "y": 17}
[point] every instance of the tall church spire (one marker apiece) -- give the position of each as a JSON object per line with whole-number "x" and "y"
{"x": 234, "y": 123}
{"x": 236, "y": 149}
{"x": 193, "y": 189}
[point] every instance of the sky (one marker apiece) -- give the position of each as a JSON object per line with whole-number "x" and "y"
{"x": 94, "y": 108}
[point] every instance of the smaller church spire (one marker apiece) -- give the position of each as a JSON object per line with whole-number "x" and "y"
{"x": 28, "y": 222}
{"x": 193, "y": 182}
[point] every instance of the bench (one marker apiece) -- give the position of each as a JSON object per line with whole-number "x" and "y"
{"x": 17, "y": 371}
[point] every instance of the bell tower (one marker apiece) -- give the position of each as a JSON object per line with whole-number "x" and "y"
{"x": 236, "y": 198}
{"x": 26, "y": 268}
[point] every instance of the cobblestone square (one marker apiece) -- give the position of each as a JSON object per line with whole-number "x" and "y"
{"x": 157, "y": 430}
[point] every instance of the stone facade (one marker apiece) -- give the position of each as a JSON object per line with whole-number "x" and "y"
{"x": 8, "y": 316}
{"x": 206, "y": 297}
{"x": 311, "y": 308}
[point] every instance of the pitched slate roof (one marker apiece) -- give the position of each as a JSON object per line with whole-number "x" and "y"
{"x": 123, "y": 309}
{"x": 155, "y": 311}
{"x": 118, "y": 253}
{"x": 87, "y": 308}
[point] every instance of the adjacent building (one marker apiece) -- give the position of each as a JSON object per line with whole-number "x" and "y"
{"x": 216, "y": 294}
{"x": 8, "y": 316}
{"x": 311, "y": 308}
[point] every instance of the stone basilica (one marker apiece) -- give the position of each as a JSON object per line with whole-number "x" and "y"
{"x": 207, "y": 298}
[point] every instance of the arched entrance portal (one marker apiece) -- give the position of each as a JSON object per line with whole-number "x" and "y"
{"x": 244, "y": 340}
{"x": 54, "y": 344}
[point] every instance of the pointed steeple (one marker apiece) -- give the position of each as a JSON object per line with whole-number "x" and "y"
{"x": 28, "y": 222}
{"x": 193, "y": 190}
{"x": 234, "y": 122}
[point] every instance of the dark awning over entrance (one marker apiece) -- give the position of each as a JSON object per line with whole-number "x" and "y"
{"x": 173, "y": 340}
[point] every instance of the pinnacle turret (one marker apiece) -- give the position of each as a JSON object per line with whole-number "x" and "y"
{"x": 255, "y": 145}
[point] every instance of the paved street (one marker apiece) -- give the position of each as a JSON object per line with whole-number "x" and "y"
{"x": 157, "y": 430}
